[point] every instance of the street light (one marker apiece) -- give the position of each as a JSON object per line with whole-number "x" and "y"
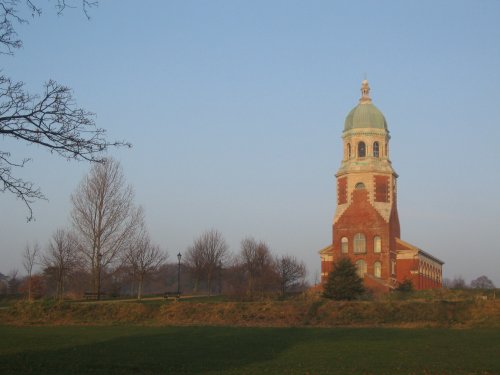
{"x": 179, "y": 256}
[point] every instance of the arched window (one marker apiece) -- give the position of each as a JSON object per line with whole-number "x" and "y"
{"x": 359, "y": 243}
{"x": 377, "y": 244}
{"x": 345, "y": 245}
{"x": 361, "y": 150}
{"x": 361, "y": 267}
{"x": 375, "y": 149}
{"x": 359, "y": 186}
{"x": 348, "y": 151}
{"x": 377, "y": 269}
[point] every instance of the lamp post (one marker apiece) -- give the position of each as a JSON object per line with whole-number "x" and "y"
{"x": 179, "y": 256}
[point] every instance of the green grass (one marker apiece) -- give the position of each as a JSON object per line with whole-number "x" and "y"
{"x": 224, "y": 350}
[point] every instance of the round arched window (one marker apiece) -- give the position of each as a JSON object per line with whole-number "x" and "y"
{"x": 345, "y": 245}
{"x": 377, "y": 269}
{"x": 377, "y": 244}
{"x": 375, "y": 149}
{"x": 359, "y": 243}
{"x": 361, "y": 150}
{"x": 361, "y": 267}
{"x": 359, "y": 186}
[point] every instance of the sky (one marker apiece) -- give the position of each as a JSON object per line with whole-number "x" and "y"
{"x": 235, "y": 110}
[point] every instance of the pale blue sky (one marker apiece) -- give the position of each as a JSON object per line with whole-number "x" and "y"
{"x": 236, "y": 108}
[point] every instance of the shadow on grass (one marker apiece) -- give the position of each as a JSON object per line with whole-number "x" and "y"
{"x": 178, "y": 350}
{"x": 172, "y": 351}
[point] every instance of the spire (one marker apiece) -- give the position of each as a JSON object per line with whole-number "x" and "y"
{"x": 365, "y": 93}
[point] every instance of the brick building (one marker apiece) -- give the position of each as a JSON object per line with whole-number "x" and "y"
{"x": 366, "y": 224}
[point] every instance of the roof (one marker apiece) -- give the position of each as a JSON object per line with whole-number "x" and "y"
{"x": 326, "y": 250}
{"x": 408, "y": 246}
{"x": 365, "y": 114}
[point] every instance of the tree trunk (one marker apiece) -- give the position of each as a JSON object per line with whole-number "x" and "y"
{"x": 139, "y": 287}
{"x": 98, "y": 282}
{"x": 29, "y": 288}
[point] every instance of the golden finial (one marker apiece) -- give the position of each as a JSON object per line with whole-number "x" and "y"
{"x": 365, "y": 92}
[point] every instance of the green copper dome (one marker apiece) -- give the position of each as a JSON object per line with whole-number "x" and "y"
{"x": 365, "y": 115}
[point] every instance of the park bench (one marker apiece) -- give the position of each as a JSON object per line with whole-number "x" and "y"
{"x": 91, "y": 295}
{"x": 168, "y": 295}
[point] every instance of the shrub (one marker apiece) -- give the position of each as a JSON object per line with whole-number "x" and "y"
{"x": 405, "y": 286}
{"x": 343, "y": 282}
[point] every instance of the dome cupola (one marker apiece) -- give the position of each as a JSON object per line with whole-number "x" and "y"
{"x": 365, "y": 114}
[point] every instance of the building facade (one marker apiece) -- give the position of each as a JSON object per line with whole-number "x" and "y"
{"x": 366, "y": 224}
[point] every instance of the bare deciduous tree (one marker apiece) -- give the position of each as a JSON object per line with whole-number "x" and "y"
{"x": 61, "y": 257}
{"x": 256, "y": 261}
{"x": 13, "y": 282}
{"x": 144, "y": 258}
{"x": 51, "y": 119}
{"x": 457, "y": 282}
{"x": 290, "y": 272}
{"x": 30, "y": 258}
{"x": 205, "y": 257}
{"x": 482, "y": 282}
{"x": 104, "y": 217}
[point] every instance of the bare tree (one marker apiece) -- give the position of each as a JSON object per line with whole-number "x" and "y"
{"x": 61, "y": 257}
{"x": 13, "y": 282}
{"x": 51, "y": 119}
{"x": 30, "y": 258}
{"x": 206, "y": 256}
{"x": 290, "y": 271}
{"x": 482, "y": 282}
{"x": 457, "y": 282}
{"x": 195, "y": 261}
{"x": 144, "y": 258}
{"x": 256, "y": 261}
{"x": 104, "y": 217}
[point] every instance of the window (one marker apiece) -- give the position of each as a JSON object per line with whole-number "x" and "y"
{"x": 359, "y": 243}
{"x": 375, "y": 149}
{"x": 345, "y": 245}
{"x": 361, "y": 267}
{"x": 348, "y": 151}
{"x": 359, "y": 186}
{"x": 377, "y": 269}
{"x": 377, "y": 244}
{"x": 393, "y": 267}
{"x": 361, "y": 150}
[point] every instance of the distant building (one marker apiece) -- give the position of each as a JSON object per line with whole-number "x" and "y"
{"x": 366, "y": 224}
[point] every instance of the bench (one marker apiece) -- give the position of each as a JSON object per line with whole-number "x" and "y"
{"x": 168, "y": 295}
{"x": 92, "y": 295}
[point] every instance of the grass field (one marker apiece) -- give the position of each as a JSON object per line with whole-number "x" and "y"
{"x": 220, "y": 350}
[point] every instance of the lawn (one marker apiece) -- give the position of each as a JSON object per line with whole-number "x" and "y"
{"x": 223, "y": 350}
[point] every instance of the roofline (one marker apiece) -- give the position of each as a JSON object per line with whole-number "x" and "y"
{"x": 420, "y": 250}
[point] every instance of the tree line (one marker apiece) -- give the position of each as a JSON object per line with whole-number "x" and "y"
{"x": 107, "y": 250}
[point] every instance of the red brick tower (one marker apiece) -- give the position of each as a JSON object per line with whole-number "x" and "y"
{"x": 366, "y": 221}
{"x": 366, "y": 224}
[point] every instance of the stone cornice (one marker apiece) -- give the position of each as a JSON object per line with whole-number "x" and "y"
{"x": 366, "y": 132}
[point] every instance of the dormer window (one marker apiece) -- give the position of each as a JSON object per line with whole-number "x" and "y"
{"x": 375, "y": 149}
{"x": 361, "y": 150}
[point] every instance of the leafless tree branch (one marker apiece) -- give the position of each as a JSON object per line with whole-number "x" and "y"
{"x": 104, "y": 217}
